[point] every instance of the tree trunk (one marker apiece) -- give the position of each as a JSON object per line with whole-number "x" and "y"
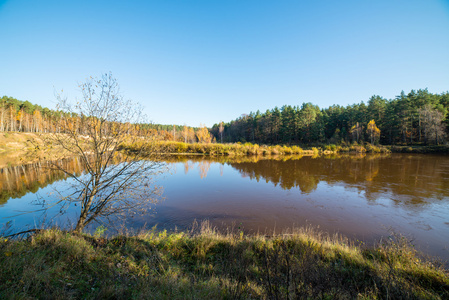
{"x": 84, "y": 211}
{"x": 1, "y": 119}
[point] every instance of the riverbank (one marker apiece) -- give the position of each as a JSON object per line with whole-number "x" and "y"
{"x": 209, "y": 265}
{"x": 18, "y": 148}
{"x": 216, "y": 149}
{"x": 422, "y": 149}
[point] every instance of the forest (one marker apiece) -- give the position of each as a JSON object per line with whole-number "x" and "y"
{"x": 418, "y": 117}
{"x": 23, "y": 116}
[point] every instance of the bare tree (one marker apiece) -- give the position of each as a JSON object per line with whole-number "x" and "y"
{"x": 220, "y": 130}
{"x": 186, "y": 132}
{"x": 115, "y": 182}
{"x": 432, "y": 122}
{"x": 2, "y": 116}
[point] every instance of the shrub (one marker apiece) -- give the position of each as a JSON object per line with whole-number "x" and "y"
{"x": 296, "y": 150}
{"x": 356, "y": 148}
{"x": 287, "y": 150}
{"x": 182, "y": 147}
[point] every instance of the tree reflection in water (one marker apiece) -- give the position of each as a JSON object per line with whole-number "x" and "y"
{"x": 412, "y": 180}
{"x": 17, "y": 181}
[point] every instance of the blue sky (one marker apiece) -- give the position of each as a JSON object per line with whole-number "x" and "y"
{"x": 192, "y": 62}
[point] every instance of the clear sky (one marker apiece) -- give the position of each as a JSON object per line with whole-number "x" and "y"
{"x": 192, "y": 62}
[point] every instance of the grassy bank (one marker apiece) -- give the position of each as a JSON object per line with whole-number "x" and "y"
{"x": 238, "y": 149}
{"x": 423, "y": 149}
{"x": 215, "y": 149}
{"x": 356, "y": 148}
{"x": 17, "y": 148}
{"x": 208, "y": 265}
{"x": 249, "y": 149}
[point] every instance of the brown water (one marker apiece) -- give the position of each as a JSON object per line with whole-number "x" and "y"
{"x": 362, "y": 197}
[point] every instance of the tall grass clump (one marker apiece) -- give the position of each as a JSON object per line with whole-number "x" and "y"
{"x": 370, "y": 148}
{"x": 357, "y": 148}
{"x": 206, "y": 264}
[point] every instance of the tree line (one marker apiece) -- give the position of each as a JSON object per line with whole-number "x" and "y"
{"x": 24, "y": 116}
{"x": 419, "y": 117}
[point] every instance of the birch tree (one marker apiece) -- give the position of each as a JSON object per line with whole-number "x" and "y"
{"x": 114, "y": 183}
{"x": 220, "y": 130}
{"x": 432, "y": 123}
{"x": 204, "y": 135}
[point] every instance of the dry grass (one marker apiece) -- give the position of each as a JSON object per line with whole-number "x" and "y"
{"x": 205, "y": 264}
{"x": 214, "y": 149}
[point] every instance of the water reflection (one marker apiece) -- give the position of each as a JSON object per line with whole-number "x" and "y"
{"x": 409, "y": 180}
{"x": 17, "y": 181}
{"x": 360, "y": 196}
{"x": 412, "y": 180}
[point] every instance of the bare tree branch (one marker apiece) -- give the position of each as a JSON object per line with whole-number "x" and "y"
{"x": 114, "y": 182}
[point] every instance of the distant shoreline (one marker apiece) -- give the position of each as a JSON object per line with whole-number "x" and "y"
{"x": 23, "y": 147}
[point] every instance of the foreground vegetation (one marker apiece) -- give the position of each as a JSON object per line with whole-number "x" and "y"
{"x": 206, "y": 264}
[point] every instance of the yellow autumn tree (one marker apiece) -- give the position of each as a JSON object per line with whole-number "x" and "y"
{"x": 19, "y": 118}
{"x": 203, "y": 135}
{"x": 191, "y": 135}
{"x": 373, "y": 131}
{"x": 37, "y": 121}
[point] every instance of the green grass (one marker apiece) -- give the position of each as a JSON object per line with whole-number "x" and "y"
{"x": 208, "y": 265}
{"x": 424, "y": 149}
